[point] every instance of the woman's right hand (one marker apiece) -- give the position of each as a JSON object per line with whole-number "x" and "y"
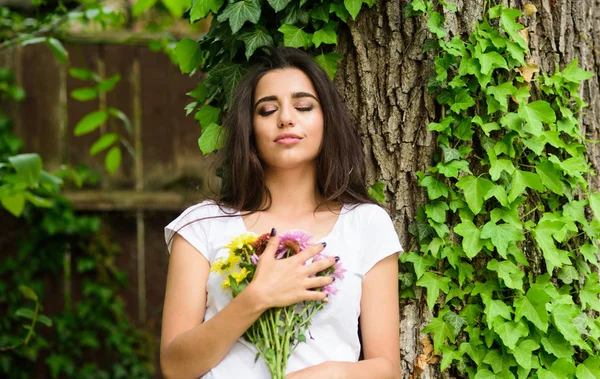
{"x": 282, "y": 282}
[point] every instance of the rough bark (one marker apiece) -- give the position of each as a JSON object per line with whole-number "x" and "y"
{"x": 383, "y": 79}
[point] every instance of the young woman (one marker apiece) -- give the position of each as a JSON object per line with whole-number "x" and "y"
{"x": 293, "y": 160}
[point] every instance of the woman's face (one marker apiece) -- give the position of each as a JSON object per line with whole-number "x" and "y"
{"x": 288, "y": 119}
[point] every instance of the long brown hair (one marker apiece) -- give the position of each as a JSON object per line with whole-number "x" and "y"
{"x": 340, "y": 164}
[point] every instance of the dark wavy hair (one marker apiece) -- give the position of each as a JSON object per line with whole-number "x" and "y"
{"x": 340, "y": 164}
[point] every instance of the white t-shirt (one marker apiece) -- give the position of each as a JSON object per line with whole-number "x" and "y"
{"x": 362, "y": 236}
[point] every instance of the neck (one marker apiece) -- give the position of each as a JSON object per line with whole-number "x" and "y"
{"x": 293, "y": 191}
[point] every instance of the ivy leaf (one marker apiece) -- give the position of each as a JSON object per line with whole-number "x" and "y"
{"x": 208, "y": 115}
{"x": 212, "y": 138}
{"x": 435, "y": 24}
{"x": 560, "y": 369}
{"x": 377, "y": 191}
{"x": 293, "y": 36}
{"x": 103, "y": 143}
{"x": 499, "y": 165}
{"x": 471, "y": 240}
{"x": 590, "y": 253}
{"x": 420, "y": 263}
{"x": 326, "y": 35}
{"x": 462, "y": 101}
{"x": 474, "y": 189}
{"x": 456, "y": 321}
{"x": 142, "y": 6}
{"x": 574, "y": 74}
{"x": 239, "y": 13}
{"x": 440, "y": 330}
{"x": 550, "y": 176}
{"x": 567, "y": 274}
{"x": 543, "y": 234}
{"x": 501, "y": 93}
{"x": 188, "y": 55}
{"x": 534, "y": 114}
{"x": 501, "y": 235}
{"x": 532, "y": 307}
{"x": 495, "y": 309}
{"x": 259, "y": 37}
{"x": 508, "y": 272}
{"x": 595, "y": 205}
{"x": 90, "y": 122}
{"x": 555, "y": 344}
{"x": 448, "y": 356}
{"x": 507, "y": 19}
{"x": 523, "y": 353}
{"x": 296, "y": 15}
{"x": 320, "y": 13}
{"x": 328, "y": 62}
{"x": 563, "y": 316}
{"x": 490, "y": 61}
{"x": 14, "y": 203}
{"x": 436, "y": 211}
{"x": 510, "y": 332}
{"x": 339, "y": 10}
{"x": 589, "y": 294}
{"x": 225, "y": 75}
{"x": 589, "y": 369}
{"x": 278, "y": 5}
{"x": 522, "y": 180}
{"x": 500, "y": 363}
{"x": 435, "y": 188}
{"x": 434, "y": 284}
{"x": 200, "y": 8}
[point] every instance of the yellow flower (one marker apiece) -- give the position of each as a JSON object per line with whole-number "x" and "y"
{"x": 240, "y": 275}
{"x": 241, "y": 240}
{"x": 225, "y": 283}
{"x": 220, "y": 266}
{"x": 232, "y": 259}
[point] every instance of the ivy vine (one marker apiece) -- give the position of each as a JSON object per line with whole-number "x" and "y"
{"x": 508, "y": 239}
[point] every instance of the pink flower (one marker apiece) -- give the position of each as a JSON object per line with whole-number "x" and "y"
{"x": 254, "y": 258}
{"x": 292, "y": 242}
{"x": 330, "y": 289}
{"x": 338, "y": 270}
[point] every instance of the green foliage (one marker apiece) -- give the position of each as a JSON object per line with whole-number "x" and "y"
{"x": 241, "y": 29}
{"x": 508, "y": 257}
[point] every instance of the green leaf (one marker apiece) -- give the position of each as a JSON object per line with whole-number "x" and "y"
{"x": 90, "y": 122}
{"x": 295, "y": 37}
{"x": 142, "y": 6}
{"x": 508, "y": 272}
{"x": 521, "y": 181}
{"x": 589, "y": 369}
{"x": 434, "y": 23}
{"x": 28, "y": 293}
{"x": 563, "y": 316}
{"x": 441, "y": 331}
{"x": 490, "y": 61}
{"x": 501, "y": 93}
{"x": 543, "y": 234}
{"x": 326, "y": 35}
{"x": 471, "y": 238}
{"x": 226, "y": 76}
{"x": 595, "y": 205}
{"x": 108, "y": 84}
{"x": 495, "y": 309}
{"x": 532, "y": 307}
{"x": 510, "y": 332}
{"x": 58, "y": 49}
{"x": 555, "y": 344}
{"x": 589, "y": 294}
{"x": 590, "y": 253}
{"x": 474, "y": 190}
{"x": 434, "y": 284}
{"x": 188, "y": 55}
{"x": 25, "y": 313}
{"x": 28, "y": 168}
{"x": 550, "y": 176}
{"x": 328, "y": 62}
{"x": 435, "y": 188}
{"x": 377, "y": 191}
{"x": 420, "y": 263}
{"x": 523, "y": 353}
{"x": 561, "y": 368}
{"x": 112, "y": 161}
{"x": 44, "y": 320}
{"x": 436, "y": 211}
{"x": 259, "y": 37}
{"x": 81, "y": 73}
{"x": 212, "y": 138}
{"x": 208, "y": 115}
{"x": 448, "y": 356}
{"x": 239, "y": 13}
{"x": 536, "y": 113}
{"x": 574, "y": 74}
{"x": 340, "y": 11}
{"x": 103, "y": 143}
{"x": 568, "y": 274}
{"x": 462, "y": 101}
{"x": 121, "y": 116}
{"x": 278, "y": 5}
{"x": 507, "y": 19}
{"x": 84, "y": 94}
{"x": 353, "y": 7}
{"x": 201, "y": 8}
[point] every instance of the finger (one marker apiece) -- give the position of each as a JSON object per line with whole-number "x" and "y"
{"x": 315, "y": 295}
{"x": 272, "y": 244}
{"x": 310, "y": 252}
{"x": 319, "y": 281}
{"x": 320, "y": 265}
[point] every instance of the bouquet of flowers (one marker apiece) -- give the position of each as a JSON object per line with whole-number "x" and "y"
{"x": 278, "y": 330}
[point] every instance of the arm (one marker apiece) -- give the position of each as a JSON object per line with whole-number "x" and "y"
{"x": 380, "y": 323}
{"x": 189, "y": 347}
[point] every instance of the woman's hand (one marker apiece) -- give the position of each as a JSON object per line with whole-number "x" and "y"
{"x": 325, "y": 370}
{"x": 282, "y": 282}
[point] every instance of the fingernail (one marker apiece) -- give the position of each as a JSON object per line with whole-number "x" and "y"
{"x": 337, "y": 259}
{"x": 333, "y": 277}
{"x": 273, "y": 232}
{"x": 324, "y": 244}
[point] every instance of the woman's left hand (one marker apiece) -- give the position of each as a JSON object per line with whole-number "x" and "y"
{"x": 325, "y": 370}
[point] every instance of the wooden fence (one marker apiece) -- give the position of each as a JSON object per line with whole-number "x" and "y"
{"x": 167, "y": 173}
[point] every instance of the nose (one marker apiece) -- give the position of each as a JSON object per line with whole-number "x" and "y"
{"x": 286, "y": 117}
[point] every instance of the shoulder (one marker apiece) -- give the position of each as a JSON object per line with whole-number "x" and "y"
{"x": 367, "y": 212}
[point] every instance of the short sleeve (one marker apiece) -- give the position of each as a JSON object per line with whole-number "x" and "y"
{"x": 193, "y": 225}
{"x": 381, "y": 239}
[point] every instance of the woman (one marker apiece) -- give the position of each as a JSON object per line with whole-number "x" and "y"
{"x": 293, "y": 160}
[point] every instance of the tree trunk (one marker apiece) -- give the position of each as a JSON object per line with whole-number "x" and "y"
{"x": 383, "y": 79}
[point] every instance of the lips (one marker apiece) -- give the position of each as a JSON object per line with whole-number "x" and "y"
{"x": 287, "y": 137}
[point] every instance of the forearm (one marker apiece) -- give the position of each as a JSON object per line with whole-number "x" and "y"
{"x": 194, "y": 353}
{"x": 374, "y": 368}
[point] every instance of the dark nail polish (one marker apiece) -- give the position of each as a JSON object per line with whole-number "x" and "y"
{"x": 273, "y": 232}
{"x": 337, "y": 259}
{"x": 324, "y": 244}
{"x": 333, "y": 278}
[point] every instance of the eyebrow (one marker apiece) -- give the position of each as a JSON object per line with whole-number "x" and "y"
{"x": 295, "y": 95}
